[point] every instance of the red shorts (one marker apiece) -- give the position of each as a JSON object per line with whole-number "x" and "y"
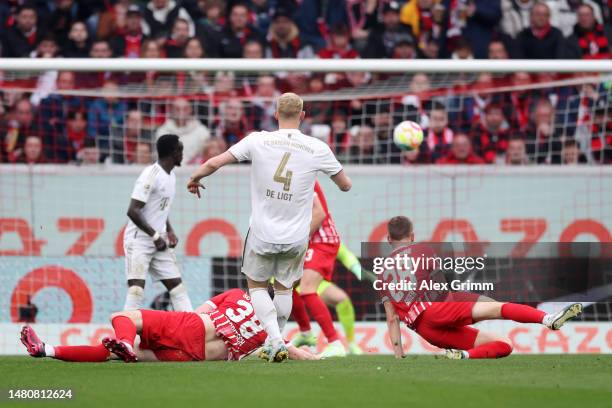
{"x": 322, "y": 258}
{"x": 173, "y": 336}
{"x": 446, "y": 324}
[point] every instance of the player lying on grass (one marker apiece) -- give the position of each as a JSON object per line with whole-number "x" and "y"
{"x": 447, "y": 324}
{"x": 224, "y": 328}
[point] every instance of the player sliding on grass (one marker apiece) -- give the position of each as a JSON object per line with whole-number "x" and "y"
{"x": 284, "y": 166}
{"x": 446, "y": 323}
{"x": 319, "y": 265}
{"x": 223, "y": 328}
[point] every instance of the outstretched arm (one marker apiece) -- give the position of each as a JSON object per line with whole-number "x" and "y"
{"x": 393, "y": 325}
{"x": 209, "y": 167}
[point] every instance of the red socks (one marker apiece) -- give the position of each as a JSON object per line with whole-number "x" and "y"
{"x": 299, "y": 313}
{"x": 83, "y": 354}
{"x": 494, "y": 349}
{"x": 319, "y": 311}
{"x": 125, "y": 330}
{"x": 521, "y": 313}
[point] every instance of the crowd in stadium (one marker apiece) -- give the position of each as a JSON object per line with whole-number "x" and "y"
{"x": 43, "y": 121}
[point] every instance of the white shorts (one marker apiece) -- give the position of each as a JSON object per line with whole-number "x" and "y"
{"x": 141, "y": 257}
{"x": 262, "y": 261}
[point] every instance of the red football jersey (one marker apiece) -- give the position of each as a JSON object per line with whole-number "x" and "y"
{"x": 327, "y": 233}
{"x": 235, "y": 322}
{"x": 410, "y": 304}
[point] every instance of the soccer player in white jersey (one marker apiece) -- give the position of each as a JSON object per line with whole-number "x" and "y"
{"x": 149, "y": 239}
{"x": 284, "y": 167}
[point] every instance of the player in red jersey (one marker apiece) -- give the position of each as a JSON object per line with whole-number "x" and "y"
{"x": 319, "y": 263}
{"x": 446, "y": 322}
{"x": 224, "y": 328}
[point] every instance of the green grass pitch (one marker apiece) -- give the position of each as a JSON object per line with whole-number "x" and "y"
{"x": 368, "y": 381}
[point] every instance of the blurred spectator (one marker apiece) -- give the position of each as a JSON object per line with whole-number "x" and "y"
{"x": 571, "y": 153}
{"x": 590, "y": 39}
{"x": 78, "y": 44}
{"x": 426, "y": 18}
{"x": 76, "y": 131}
{"x": 405, "y": 50}
{"x": 20, "y": 124}
{"x": 214, "y": 147}
{"x": 438, "y": 136}
{"x": 564, "y": 14}
{"x": 461, "y": 152}
{"x": 543, "y": 142}
{"x": 46, "y": 48}
{"x": 516, "y": 154}
{"x": 339, "y": 44}
{"x": 253, "y": 49}
{"x": 540, "y": 40}
{"x": 187, "y": 127}
{"x": 210, "y": 25}
{"x": 224, "y": 84}
{"x": 363, "y": 145}
{"x": 99, "y": 49}
{"x": 490, "y": 136}
{"x": 482, "y": 17}
{"x": 110, "y": 20}
{"x": 54, "y": 111}
{"x": 193, "y": 81}
{"x": 143, "y": 154}
{"x": 125, "y": 139}
{"x": 601, "y": 132}
{"x": 64, "y": 14}
{"x": 262, "y": 108}
{"x": 360, "y": 15}
{"x": 128, "y": 42}
{"x": 237, "y": 32}
{"x": 20, "y": 39}
{"x": 103, "y": 113}
{"x": 232, "y": 125}
{"x": 498, "y": 50}
{"x": 516, "y": 16}
{"x": 179, "y": 35}
{"x": 159, "y": 17}
{"x": 463, "y": 49}
{"x": 284, "y": 38}
{"x": 32, "y": 151}
{"x": 384, "y": 36}
{"x": 90, "y": 153}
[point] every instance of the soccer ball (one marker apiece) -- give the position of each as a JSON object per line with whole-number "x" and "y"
{"x": 408, "y": 135}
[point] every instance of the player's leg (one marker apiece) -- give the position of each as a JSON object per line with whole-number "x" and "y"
{"x": 488, "y": 309}
{"x": 300, "y": 315}
{"x": 164, "y": 267}
{"x": 314, "y": 304}
{"x": 336, "y": 297}
{"x": 127, "y": 325}
{"x": 137, "y": 261}
{"x": 37, "y": 348}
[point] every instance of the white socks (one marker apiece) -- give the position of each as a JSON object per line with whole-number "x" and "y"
{"x": 49, "y": 351}
{"x": 180, "y": 299}
{"x": 134, "y": 299}
{"x": 283, "y": 302}
{"x": 266, "y": 313}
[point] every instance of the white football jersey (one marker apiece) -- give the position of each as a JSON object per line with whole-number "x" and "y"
{"x": 283, "y": 172}
{"x": 156, "y": 189}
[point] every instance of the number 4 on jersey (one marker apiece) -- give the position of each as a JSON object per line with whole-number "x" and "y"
{"x": 278, "y": 176}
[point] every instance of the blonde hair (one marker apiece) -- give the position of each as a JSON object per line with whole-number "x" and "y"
{"x": 289, "y": 105}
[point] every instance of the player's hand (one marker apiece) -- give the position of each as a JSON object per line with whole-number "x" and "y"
{"x": 160, "y": 244}
{"x": 172, "y": 239}
{"x": 194, "y": 187}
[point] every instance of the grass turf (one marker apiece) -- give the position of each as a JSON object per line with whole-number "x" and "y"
{"x": 368, "y": 381}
